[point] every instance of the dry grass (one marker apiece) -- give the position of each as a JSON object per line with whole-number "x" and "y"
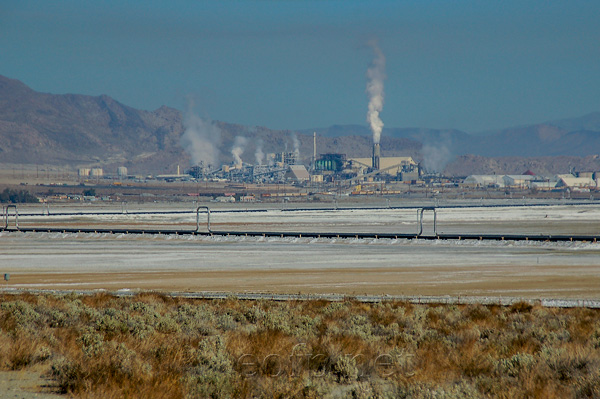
{"x": 156, "y": 346}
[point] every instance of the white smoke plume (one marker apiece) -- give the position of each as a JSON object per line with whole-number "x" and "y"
{"x": 296, "y": 144}
{"x": 200, "y": 138}
{"x": 259, "y": 154}
{"x": 239, "y": 145}
{"x": 435, "y": 157}
{"x": 376, "y": 76}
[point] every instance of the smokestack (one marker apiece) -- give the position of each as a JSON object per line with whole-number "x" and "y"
{"x": 314, "y": 149}
{"x": 376, "y": 156}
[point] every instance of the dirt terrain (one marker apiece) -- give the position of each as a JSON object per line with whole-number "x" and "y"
{"x": 27, "y": 384}
{"x": 519, "y": 281}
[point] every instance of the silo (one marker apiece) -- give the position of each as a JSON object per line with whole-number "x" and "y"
{"x": 96, "y": 172}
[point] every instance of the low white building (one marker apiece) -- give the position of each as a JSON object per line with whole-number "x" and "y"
{"x": 521, "y": 181}
{"x": 571, "y": 181}
{"x": 224, "y": 199}
{"x": 484, "y": 181}
{"x": 543, "y": 185}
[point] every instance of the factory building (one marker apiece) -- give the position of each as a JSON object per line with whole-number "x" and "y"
{"x": 297, "y": 174}
{"x": 392, "y": 165}
{"x": 331, "y": 162}
{"x": 484, "y": 181}
{"x": 285, "y": 158}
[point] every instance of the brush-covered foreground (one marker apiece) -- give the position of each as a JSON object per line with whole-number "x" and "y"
{"x": 156, "y": 346}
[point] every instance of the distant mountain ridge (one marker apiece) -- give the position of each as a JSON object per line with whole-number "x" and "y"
{"x": 567, "y": 137}
{"x": 77, "y": 130}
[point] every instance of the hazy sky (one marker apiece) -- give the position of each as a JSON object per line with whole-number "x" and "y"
{"x": 471, "y": 65}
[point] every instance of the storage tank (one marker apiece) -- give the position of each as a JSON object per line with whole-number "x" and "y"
{"x": 96, "y": 172}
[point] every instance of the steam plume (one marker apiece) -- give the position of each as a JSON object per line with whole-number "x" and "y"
{"x": 296, "y": 145}
{"x": 435, "y": 157}
{"x": 259, "y": 154}
{"x": 239, "y": 145}
{"x": 200, "y": 138}
{"x": 376, "y": 76}
{"x": 437, "y": 153}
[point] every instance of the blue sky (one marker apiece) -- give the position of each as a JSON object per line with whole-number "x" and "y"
{"x": 290, "y": 64}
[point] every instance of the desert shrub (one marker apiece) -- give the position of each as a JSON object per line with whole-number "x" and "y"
{"x": 111, "y": 323}
{"x": 155, "y": 346}
{"x": 92, "y": 343}
{"x": 477, "y": 312}
{"x": 25, "y": 350}
{"x": 588, "y": 386}
{"x": 167, "y": 325}
{"x": 213, "y": 375}
{"x": 140, "y": 327}
{"x": 336, "y": 309}
{"x": 143, "y": 308}
{"x": 521, "y": 307}
{"x": 226, "y": 322}
{"x": 305, "y": 327}
{"x": 69, "y": 375}
{"x": 19, "y": 315}
{"x": 345, "y": 369}
{"x": 212, "y": 353}
{"x": 276, "y": 319}
{"x": 568, "y": 363}
{"x": 196, "y": 320}
{"x": 515, "y": 365}
{"x": 255, "y": 314}
{"x": 359, "y": 326}
{"x": 460, "y": 390}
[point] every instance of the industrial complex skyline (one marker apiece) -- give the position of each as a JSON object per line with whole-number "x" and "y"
{"x": 468, "y": 65}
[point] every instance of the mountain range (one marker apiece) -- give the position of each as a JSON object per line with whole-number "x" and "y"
{"x": 79, "y": 130}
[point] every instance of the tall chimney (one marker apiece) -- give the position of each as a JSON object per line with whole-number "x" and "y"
{"x": 314, "y": 149}
{"x": 376, "y": 156}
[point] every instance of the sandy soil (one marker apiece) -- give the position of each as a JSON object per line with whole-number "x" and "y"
{"x": 27, "y": 384}
{"x": 519, "y": 281}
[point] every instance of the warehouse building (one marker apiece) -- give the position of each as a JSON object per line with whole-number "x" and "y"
{"x": 297, "y": 174}
{"x": 570, "y": 181}
{"x": 484, "y": 181}
{"x": 518, "y": 181}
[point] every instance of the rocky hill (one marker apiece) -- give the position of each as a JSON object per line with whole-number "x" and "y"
{"x": 78, "y": 130}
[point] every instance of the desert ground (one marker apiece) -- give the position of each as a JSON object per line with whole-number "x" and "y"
{"x": 304, "y": 265}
